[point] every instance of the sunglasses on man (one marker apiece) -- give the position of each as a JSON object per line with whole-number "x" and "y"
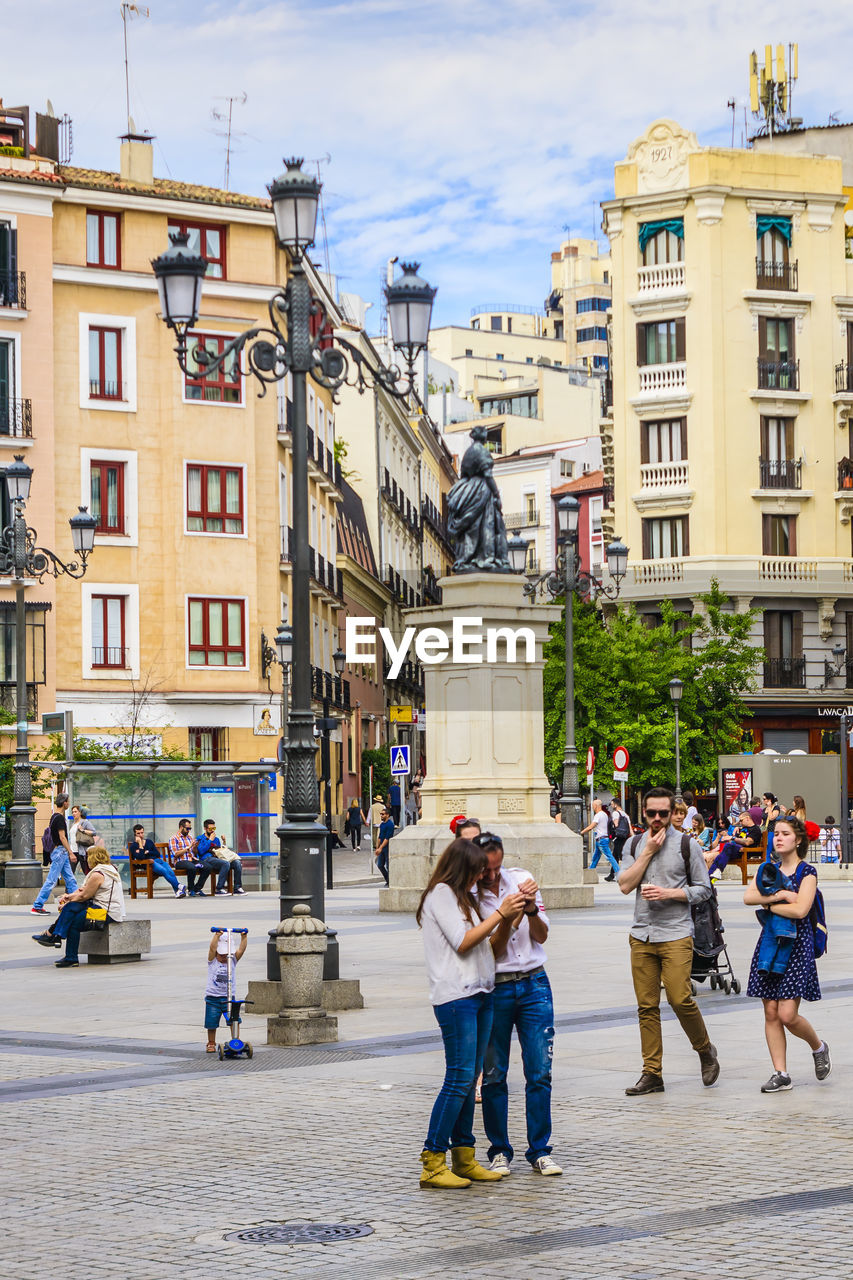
{"x": 658, "y": 813}
{"x": 486, "y": 837}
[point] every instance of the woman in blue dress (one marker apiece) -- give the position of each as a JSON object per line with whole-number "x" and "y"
{"x": 782, "y": 992}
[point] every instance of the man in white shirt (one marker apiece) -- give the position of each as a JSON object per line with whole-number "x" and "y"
{"x": 601, "y": 825}
{"x": 522, "y": 999}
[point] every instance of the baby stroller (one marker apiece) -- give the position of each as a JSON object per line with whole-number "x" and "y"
{"x": 710, "y": 957}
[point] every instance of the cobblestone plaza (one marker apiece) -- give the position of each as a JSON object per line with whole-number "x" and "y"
{"x": 131, "y": 1147}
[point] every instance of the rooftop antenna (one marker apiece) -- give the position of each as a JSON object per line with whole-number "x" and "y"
{"x": 326, "y": 159}
{"x": 130, "y": 11}
{"x": 732, "y": 106}
{"x": 225, "y": 117}
{"x": 771, "y": 86}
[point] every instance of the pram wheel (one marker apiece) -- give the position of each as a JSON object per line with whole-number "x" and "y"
{"x": 727, "y": 987}
{"x": 713, "y": 981}
{"x": 736, "y": 986}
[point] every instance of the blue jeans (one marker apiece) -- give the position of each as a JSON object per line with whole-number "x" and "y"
{"x": 602, "y": 846}
{"x": 382, "y": 864}
{"x": 728, "y": 850}
{"x": 161, "y": 868}
{"x": 465, "y": 1028}
{"x": 70, "y": 923}
{"x": 526, "y": 1005}
{"x": 60, "y": 869}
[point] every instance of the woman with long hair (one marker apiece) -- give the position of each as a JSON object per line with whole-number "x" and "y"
{"x": 461, "y": 970}
{"x": 783, "y": 970}
{"x": 798, "y": 808}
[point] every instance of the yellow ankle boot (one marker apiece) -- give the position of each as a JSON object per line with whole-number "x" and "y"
{"x": 437, "y": 1174}
{"x": 465, "y": 1166}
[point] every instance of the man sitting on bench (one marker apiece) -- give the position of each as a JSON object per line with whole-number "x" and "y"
{"x": 143, "y": 849}
{"x": 181, "y": 847}
{"x": 748, "y": 839}
{"x": 208, "y": 846}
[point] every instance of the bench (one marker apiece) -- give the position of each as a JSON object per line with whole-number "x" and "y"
{"x": 143, "y": 867}
{"x": 118, "y": 943}
{"x": 757, "y": 855}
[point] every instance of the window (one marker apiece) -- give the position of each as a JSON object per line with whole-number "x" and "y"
{"x": 660, "y": 341}
{"x": 106, "y": 486}
{"x": 206, "y": 239}
{"x": 592, "y": 304}
{"x": 105, "y": 382}
{"x": 779, "y": 535}
{"x": 469, "y": 351}
{"x": 219, "y": 386}
{"x": 496, "y": 322}
{"x": 529, "y": 359}
{"x": 530, "y": 507}
{"x": 775, "y": 338}
{"x": 207, "y": 744}
{"x": 784, "y": 665}
{"x": 475, "y": 324}
{"x": 103, "y": 239}
{"x": 559, "y": 334}
{"x": 600, "y": 362}
{"x": 596, "y": 333}
{"x": 665, "y": 538}
{"x": 499, "y": 355}
{"x": 524, "y": 406}
{"x": 567, "y": 467}
{"x": 662, "y": 242}
{"x": 108, "y": 632}
{"x": 214, "y": 499}
{"x": 663, "y": 441}
{"x": 216, "y": 633}
{"x": 774, "y": 236}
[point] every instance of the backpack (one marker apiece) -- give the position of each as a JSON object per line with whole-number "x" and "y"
{"x": 707, "y": 925}
{"x": 817, "y": 919}
{"x": 47, "y": 844}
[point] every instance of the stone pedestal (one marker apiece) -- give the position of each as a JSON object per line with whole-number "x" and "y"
{"x": 485, "y": 751}
{"x": 121, "y": 943}
{"x": 302, "y": 1019}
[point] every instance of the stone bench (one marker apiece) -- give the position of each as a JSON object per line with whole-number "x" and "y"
{"x": 118, "y": 943}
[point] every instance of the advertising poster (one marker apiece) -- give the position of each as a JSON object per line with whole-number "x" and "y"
{"x": 737, "y": 790}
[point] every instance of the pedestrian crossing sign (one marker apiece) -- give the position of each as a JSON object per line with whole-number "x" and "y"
{"x": 400, "y": 759}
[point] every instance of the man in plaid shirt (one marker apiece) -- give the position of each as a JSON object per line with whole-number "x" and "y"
{"x": 183, "y": 858}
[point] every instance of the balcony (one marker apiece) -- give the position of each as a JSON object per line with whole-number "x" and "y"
{"x": 663, "y": 379}
{"x": 522, "y": 520}
{"x": 778, "y": 375}
{"x": 776, "y": 275}
{"x": 780, "y": 473}
{"x": 16, "y": 418}
{"x": 664, "y": 275}
{"x": 285, "y": 554}
{"x": 657, "y": 572}
{"x": 106, "y": 389}
{"x": 431, "y": 516}
{"x": 845, "y": 474}
{"x": 665, "y": 475}
{"x": 786, "y": 569}
{"x": 13, "y": 290}
{"x": 785, "y": 673}
{"x": 111, "y": 657}
{"x": 843, "y": 377}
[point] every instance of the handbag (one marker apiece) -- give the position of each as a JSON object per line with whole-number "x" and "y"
{"x": 85, "y": 839}
{"x": 96, "y": 917}
{"x": 226, "y": 854}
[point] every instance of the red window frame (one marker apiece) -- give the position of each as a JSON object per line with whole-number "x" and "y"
{"x": 101, "y": 215}
{"x": 215, "y": 264}
{"x": 103, "y": 469}
{"x": 220, "y": 381}
{"x": 228, "y": 644}
{"x": 121, "y": 664}
{"x": 102, "y": 393}
{"x": 222, "y": 516}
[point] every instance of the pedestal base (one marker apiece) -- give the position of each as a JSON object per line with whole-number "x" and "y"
{"x": 340, "y": 994}
{"x": 24, "y": 875}
{"x": 295, "y": 1030}
{"x": 18, "y": 897}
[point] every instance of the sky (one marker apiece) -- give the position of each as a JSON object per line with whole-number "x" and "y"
{"x": 464, "y": 134}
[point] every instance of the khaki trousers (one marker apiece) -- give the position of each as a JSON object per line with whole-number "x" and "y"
{"x": 653, "y": 963}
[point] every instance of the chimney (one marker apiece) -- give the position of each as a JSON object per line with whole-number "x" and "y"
{"x": 137, "y": 158}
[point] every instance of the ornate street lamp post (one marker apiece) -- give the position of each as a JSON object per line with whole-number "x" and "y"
{"x": 676, "y": 688}
{"x": 296, "y": 341}
{"x": 565, "y": 579}
{"x": 22, "y": 560}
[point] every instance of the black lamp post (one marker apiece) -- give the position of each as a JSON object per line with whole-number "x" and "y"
{"x": 676, "y": 689}
{"x": 21, "y": 559}
{"x": 294, "y": 342}
{"x": 565, "y": 579}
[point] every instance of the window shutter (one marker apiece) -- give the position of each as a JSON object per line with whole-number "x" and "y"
{"x": 13, "y": 253}
{"x": 789, "y": 439}
{"x": 685, "y": 536}
{"x": 762, "y": 338}
{"x": 647, "y": 542}
{"x": 644, "y": 441}
{"x": 765, "y": 443}
{"x": 849, "y": 342}
{"x": 772, "y": 635}
{"x": 683, "y": 439}
{"x": 680, "y": 347}
{"x": 848, "y": 626}
{"x": 641, "y": 344}
{"x": 792, "y": 537}
{"x": 797, "y": 635}
{"x": 765, "y": 536}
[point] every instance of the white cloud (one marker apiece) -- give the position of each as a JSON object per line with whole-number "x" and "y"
{"x": 465, "y": 133}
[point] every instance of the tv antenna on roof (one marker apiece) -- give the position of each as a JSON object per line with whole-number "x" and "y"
{"x": 226, "y": 133}
{"x": 771, "y": 86}
{"x": 130, "y": 11}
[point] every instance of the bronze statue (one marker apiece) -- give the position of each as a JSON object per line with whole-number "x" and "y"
{"x": 475, "y": 522}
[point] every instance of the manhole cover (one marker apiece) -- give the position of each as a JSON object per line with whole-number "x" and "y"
{"x": 302, "y": 1233}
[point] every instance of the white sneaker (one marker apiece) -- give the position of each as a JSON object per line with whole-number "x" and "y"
{"x": 500, "y": 1165}
{"x": 547, "y": 1167}
{"x": 181, "y": 891}
{"x": 222, "y": 893}
{"x": 241, "y": 890}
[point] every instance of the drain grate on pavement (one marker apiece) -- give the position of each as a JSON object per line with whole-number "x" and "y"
{"x": 302, "y": 1233}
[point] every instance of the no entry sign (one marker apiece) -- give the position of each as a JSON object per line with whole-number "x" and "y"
{"x": 621, "y": 759}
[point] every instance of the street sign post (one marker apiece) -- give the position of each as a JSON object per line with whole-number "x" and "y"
{"x": 621, "y": 759}
{"x": 590, "y": 762}
{"x": 400, "y": 713}
{"x": 400, "y": 759}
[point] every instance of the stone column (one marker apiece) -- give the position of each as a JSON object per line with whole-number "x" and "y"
{"x": 485, "y": 747}
{"x": 301, "y": 945}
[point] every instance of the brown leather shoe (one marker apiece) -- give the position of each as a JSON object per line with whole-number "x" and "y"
{"x": 710, "y": 1065}
{"x": 647, "y": 1083}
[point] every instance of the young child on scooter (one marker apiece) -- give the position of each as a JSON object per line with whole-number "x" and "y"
{"x": 216, "y": 992}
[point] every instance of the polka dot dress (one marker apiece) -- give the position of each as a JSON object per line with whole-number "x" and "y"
{"x": 799, "y": 981}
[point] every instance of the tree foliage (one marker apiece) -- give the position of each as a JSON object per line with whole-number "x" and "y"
{"x": 381, "y": 761}
{"x": 622, "y": 673}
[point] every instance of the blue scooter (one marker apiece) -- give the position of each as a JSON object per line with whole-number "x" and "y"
{"x": 235, "y": 1047}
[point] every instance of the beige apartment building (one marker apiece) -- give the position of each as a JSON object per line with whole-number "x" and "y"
{"x": 732, "y": 406}
{"x": 577, "y": 306}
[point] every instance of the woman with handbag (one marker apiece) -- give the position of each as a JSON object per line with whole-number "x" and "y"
{"x": 81, "y": 837}
{"x": 98, "y": 903}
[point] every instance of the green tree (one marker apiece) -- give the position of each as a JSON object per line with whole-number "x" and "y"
{"x": 381, "y": 761}
{"x": 622, "y": 672}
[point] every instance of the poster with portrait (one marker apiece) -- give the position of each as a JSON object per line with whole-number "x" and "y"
{"x": 737, "y": 790}
{"x": 266, "y": 719}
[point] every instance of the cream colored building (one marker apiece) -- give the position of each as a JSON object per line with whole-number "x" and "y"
{"x": 577, "y": 306}
{"x": 732, "y": 405}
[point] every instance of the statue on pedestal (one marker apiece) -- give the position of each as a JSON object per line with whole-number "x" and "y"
{"x": 475, "y": 522}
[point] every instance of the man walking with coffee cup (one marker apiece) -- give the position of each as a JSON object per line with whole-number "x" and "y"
{"x": 653, "y": 867}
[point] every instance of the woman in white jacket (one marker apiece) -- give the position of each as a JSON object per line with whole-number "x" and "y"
{"x": 461, "y": 970}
